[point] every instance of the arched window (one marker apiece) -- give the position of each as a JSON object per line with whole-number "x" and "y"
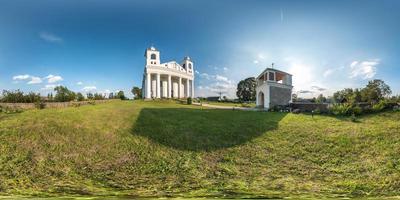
{"x": 190, "y": 65}
{"x": 184, "y": 66}
{"x": 153, "y": 56}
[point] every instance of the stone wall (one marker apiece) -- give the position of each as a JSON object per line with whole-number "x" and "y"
{"x": 279, "y": 96}
{"x": 308, "y": 107}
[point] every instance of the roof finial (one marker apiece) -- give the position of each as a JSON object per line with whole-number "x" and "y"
{"x": 272, "y": 66}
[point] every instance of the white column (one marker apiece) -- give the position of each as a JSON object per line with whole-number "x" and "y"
{"x": 192, "y": 95}
{"x": 180, "y": 88}
{"x": 187, "y": 88}
{"x": 158, "y": 86}
{"x": 169, "y": 86}
{"x": 148, "y": 86}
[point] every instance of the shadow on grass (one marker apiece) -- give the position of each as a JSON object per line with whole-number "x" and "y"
{"x": 203, "y": 130}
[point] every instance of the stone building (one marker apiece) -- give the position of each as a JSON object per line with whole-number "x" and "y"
{"x": 167, "y": 80}
{"x": 274, "y": 88}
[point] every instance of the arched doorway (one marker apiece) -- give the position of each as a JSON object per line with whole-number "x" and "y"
{"x": 260, "y": 99}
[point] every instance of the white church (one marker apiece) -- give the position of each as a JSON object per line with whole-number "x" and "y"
{"x": 167, "y": 80}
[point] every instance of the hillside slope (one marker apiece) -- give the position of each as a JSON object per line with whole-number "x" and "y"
{"x": 165, "y": 149}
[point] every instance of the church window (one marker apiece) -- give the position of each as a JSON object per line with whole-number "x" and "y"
{"x": 153, "y": 56}
{"x": 190, "y": 66}
{"x": 271, "y": 76}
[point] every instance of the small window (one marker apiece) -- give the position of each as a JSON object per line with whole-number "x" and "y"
{"x": 184, "y": 66}
{"x": 271, "y": 76}
{"x": 190, "y": 66}
{"x": 153, "y": 56}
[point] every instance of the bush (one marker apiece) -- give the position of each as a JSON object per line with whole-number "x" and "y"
{"x": 76, "y": 104}
{"x": 342, "y": 109}
{"x": 189, "y": 101}
{"x": 40, "y": 104}
{"x": 353, "y": 118}
{"x": 379, "y": 106}
{"x": 357, "y": 110}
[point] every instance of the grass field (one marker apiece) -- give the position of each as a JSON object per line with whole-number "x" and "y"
{"x": 153, "y": 149}
{"x": 231, "y": 104}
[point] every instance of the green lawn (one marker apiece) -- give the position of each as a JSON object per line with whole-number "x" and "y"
{"x": 231, "y": 104}
{"x": 149, "y": 149}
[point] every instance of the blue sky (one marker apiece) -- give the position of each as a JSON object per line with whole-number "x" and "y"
{"x": 99, "y": 45}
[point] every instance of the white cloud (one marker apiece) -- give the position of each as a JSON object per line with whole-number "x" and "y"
{"x": 317, "y": 88}
{"x": 49, "y": 87}
{"x": 21, "y": 77}
{"x": 197, "y": 72}
{"x": 49, "y": 37}
{"x": 35, "y": 80}
{"x": 52, "y": 79}
{"x": 328, "y": 72}
{"x": 255, "y": 61}
{"x": 79, "y": 83}
{"x": 222, "y": 78}
{"x": 364, "y": 69}
{"x": 216, "y": 84}
{"x": 225, "y": 69}
{"x": 204, "y": 75}
{"x": 89, "y": 88}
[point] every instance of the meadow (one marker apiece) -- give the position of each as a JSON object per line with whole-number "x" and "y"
{"x": 164, "y": 149}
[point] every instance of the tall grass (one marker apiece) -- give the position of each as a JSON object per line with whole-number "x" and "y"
{"x": 166, "y": 149}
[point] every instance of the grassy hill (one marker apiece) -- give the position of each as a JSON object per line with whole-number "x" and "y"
{"x": 165, "y": 149}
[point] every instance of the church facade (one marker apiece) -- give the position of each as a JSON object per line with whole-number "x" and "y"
{"x": 167, "y": 80}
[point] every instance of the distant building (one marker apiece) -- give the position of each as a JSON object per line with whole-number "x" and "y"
{"x": 274, "y": 87}
{"x": 167, "y": 80}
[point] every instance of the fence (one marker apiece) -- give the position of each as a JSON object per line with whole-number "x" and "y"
{"x": 51, "y": 104}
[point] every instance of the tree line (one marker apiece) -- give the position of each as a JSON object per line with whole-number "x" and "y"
{"x": 374, "y": 92}
{"x": 62, "y": 94}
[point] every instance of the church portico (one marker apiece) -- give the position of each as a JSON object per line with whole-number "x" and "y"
{"x": 167, "y": 80}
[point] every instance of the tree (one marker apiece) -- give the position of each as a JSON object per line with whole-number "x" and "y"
{"x": 375, "y": 91}
{"x": 137, "y": 92}
{"x": 98, "y": 96}
{"x": 89, "y": 96}
{"x": 80, "y": 97}
{"x": 246, "y": 89}
{"x": 111, "y": 95}
{"x": 320, "y": 99}
{"x": 343, "y": 95}
{"x": 121, "y": 95}
{"x": 63, "y": 94}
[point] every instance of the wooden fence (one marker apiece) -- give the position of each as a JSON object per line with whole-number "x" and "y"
{"x": 51, "y": 104}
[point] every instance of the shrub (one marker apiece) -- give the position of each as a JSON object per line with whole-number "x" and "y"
{"x": 342, "y": 109}
{"x": 396, "y": 108}
{"x": 91, "y": 102}
{"x": 189, "y": 101}
{"x": 353, "y": 118}
{"x": 40, "y": 104}
{"x": 357, "y": 110}
{"x": 76, "y": 104}
{"x": 379, "y": 106}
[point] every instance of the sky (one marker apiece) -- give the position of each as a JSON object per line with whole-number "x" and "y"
{"x": 98, "y": 46}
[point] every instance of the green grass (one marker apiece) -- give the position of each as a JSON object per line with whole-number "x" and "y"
{"x": 231, "y": 104}
{"x": 153, "y": 149}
